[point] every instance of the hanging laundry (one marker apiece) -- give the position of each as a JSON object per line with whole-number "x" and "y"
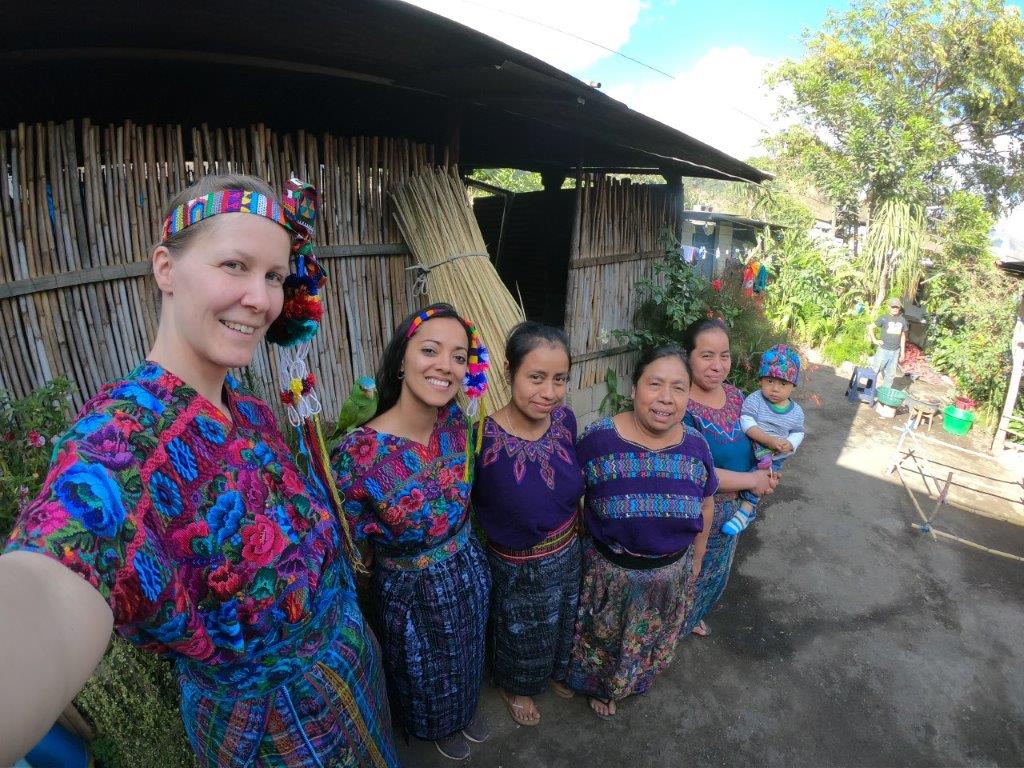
{"x": 749, "y": 273}
{"x": 761, "y": 281}
{"x": 688, "y": 253}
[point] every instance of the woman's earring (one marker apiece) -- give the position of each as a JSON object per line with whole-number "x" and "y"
{"x": 401, "y": 375}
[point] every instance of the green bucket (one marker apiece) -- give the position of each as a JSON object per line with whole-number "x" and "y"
{"x": 956, "y": 421}
{"x": 892, "y": 397}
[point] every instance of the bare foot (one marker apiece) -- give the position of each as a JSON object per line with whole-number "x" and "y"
{"x": 561, "y": 689}
{"x": 603, "y": 708}
{"x": 521, "y": 708}
{"x": 702, "y": 629}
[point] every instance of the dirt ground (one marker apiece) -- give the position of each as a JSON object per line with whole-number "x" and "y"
{"x": 845, "y": 638}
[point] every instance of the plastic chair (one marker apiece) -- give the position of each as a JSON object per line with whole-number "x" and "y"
{"x": 862, "y": 387}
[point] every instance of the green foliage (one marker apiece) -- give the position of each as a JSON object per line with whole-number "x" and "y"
{"x": 892, "y": 253}
{"x": 614, "y": 401}
{"x": 974, "y": 305}
{"x": 509, "y": 179}
{"x": 132, "y": 699}
{"x": 895, "y": 97}
{"x": 678, "y": 295}
{"x": 816, "y": 297}
{"x": 28, "y": 428}
{"x": 850, "y": 342}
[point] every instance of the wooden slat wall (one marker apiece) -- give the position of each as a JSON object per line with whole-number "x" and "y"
{"x": 83, "y": 198}
{"x": 619, "y": 235}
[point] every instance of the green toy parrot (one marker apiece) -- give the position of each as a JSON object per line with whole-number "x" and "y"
{"x": 358, "y": 408}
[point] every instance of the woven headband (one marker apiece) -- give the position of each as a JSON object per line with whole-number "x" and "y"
{"x": 225, "y": 201}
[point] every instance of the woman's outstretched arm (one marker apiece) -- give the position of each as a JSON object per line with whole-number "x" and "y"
{"x": 54, "y": 628}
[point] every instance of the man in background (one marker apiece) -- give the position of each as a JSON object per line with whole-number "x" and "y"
{"x": 892, "y": 347}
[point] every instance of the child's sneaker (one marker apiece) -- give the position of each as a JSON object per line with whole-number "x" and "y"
{"x": 738, "y": 522}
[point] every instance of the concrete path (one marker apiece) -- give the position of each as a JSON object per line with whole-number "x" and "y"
{"x": 845, "y": 638}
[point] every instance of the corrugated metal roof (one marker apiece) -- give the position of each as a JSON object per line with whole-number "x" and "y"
{"x": 374, "y": 67}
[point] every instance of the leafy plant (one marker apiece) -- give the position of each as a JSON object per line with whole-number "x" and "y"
{"x": 678, "y": 296}
{"x": 132, "y": 699}
{"x": 973, "y": 306}
{"x": 28, "y": 428}
{"x": 614, "y": 401}
{"x": 892, "y": 252}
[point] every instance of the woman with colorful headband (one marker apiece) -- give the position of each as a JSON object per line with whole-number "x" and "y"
{"x": 525, "y": 497}
{"x": 174, "y": 512}
{"x": 406, "y": 477}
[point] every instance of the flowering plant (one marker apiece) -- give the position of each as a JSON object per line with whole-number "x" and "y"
{"x": 28, "y": 428}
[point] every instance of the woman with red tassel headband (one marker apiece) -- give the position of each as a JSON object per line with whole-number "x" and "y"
{"x": 174, "y": 512}
{"x": 406, "y": 478}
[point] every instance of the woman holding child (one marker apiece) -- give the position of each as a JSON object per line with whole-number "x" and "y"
{"x": 715, "y": 410}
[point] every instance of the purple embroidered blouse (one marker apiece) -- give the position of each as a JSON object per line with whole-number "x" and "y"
{"x": 644, "y": 502}
{"x": 525, "y": 489}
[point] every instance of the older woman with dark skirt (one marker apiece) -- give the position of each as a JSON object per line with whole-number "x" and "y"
{"x": 714, "y": 410}
{"x": 650, "y": 479}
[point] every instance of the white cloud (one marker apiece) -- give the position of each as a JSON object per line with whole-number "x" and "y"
{"x": 721, "y": 100}
{"x": 510, "y": 23}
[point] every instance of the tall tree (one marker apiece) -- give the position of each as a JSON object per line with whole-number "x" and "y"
{"x": 909, "y": 99}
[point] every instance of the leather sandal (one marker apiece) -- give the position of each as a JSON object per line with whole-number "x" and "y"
{"x": 515, "y": 711}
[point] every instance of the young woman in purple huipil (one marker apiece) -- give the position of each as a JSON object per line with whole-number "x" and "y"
{"x": 526, "y": 496}
{"x": 650, "y": 482}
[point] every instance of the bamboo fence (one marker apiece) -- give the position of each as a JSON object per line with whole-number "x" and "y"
{"x": 616, "y": 243}
{"x": 84, "y": 203}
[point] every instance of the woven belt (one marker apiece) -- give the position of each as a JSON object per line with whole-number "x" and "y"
{"x": 427, "y": 558}
{"x": 556, "y": 541}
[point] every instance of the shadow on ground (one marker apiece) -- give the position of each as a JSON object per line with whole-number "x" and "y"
{"x": 845, "y": 637}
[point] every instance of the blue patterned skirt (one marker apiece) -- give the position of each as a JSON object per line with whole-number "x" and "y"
{"x": 533, "y": 611}
{"x": 324, "y": 703}
{"x": 707, "y": 590}
{"x": 433, "y": 624}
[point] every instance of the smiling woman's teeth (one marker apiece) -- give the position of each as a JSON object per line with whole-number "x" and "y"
{"x": 439, "y": 383}
{"x": 246, "y": 329}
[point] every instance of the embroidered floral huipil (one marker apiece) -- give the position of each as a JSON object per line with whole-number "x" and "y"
{"x": 198, "y": 530}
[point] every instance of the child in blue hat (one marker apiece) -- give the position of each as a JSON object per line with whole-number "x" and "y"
{"x": 773, "y": 421}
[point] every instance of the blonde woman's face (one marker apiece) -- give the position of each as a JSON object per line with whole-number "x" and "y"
{"x": 222, "y": 293}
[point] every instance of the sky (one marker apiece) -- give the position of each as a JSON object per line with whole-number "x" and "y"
{"x": 701, "y": 65}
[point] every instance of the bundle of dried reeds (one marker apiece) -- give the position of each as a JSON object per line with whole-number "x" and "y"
{"x": 436, "y": 218}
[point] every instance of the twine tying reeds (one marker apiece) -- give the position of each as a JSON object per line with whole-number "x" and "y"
{"x": 436, "y": 217}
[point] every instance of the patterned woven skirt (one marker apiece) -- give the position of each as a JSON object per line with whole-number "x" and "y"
{"x": 327, "y": 708}
{"x": 707, "y": 590}
{"x": 533, "y": 613}
{"x": 433, "y": 624}
{"x": 627, "y": 625}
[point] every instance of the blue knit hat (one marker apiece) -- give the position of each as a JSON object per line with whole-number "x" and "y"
{"x": 781, "y": 362}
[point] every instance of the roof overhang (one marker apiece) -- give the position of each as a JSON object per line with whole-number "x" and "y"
{"x": 359, "y": 67}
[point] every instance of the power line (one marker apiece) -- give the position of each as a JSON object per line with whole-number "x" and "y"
{"x": 569, "y": 34}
